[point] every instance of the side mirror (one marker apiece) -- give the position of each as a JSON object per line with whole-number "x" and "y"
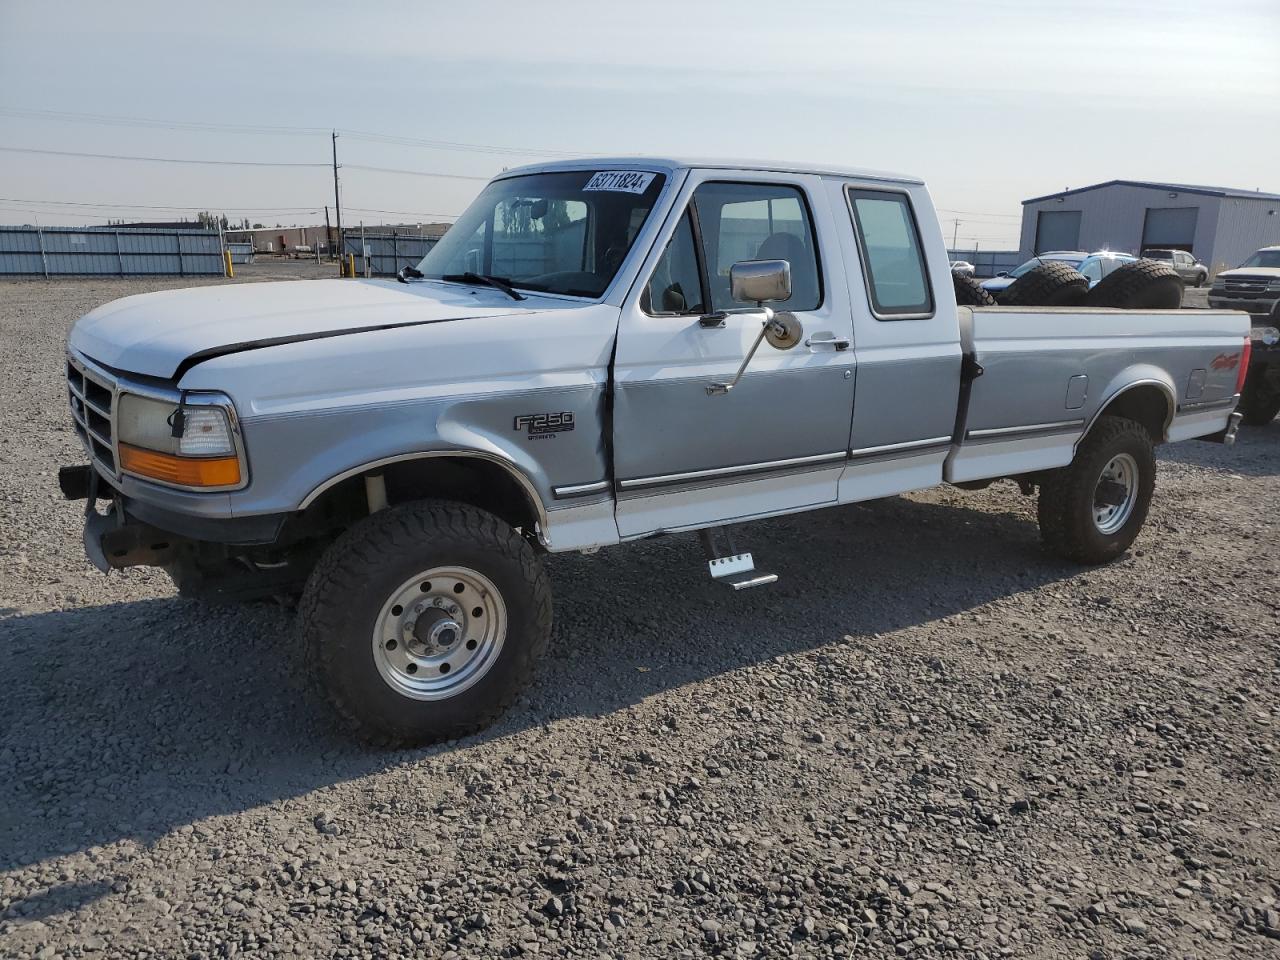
{"x": 1003, "y": 273}
{"x": 760, "y": 281}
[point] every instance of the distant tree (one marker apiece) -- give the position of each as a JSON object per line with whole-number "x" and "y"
{"x": 256, "y": 226}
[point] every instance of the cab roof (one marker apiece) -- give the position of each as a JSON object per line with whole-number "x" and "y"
{"x": 676, "y": 164}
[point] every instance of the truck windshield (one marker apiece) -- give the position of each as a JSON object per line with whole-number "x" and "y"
{"x": 562, "y": 233}
{"x": 1036, "y": 261}
{"x": 1263, "y": 258}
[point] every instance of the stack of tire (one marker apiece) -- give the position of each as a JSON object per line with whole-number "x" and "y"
{"x": 1140, "y": 285}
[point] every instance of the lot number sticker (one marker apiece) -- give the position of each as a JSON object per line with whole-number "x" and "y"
{"x": 620, "y": 181}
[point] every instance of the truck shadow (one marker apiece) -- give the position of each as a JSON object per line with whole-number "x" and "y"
{"x": 1256, "y": 453}
{"x": 126, "y": 722}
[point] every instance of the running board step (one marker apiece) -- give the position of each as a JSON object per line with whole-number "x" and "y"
{"x": 729, "y": 566}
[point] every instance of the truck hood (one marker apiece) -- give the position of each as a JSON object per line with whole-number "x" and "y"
{"x": 1271, "y": 273}
{"x": 159, "y": 334}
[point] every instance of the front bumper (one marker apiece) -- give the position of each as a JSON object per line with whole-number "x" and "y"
{"x": 134, "y": 532}
{"x": 1257, "y": 306}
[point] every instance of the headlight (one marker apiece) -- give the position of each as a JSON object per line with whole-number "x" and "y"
{"x": 204, "y": 456}
{"x": 1268, "y": 335}
{"x": 1274, "y": 286}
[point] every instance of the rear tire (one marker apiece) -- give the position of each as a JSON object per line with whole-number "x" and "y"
{"x": 1051, "y": 284}
{"x": 969, "y": 292}
{"x": 1091, "y": 510}
{"x": 1260, "y": 402}
{"x": 423, "y": 622}
{"x": 1140, "y": 285}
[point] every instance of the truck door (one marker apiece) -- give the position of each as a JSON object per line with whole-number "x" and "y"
{"x": 683, "y": 457}
{"x": 906, "y": 337}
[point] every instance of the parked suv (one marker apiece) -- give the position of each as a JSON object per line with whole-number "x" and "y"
{"x": 1094, "y": 266}
{"x": 1188, "y": 267}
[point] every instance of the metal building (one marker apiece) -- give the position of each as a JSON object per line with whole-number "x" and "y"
{"x": 1219, "y": 226}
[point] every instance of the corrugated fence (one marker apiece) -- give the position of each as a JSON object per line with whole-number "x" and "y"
{"x": 107, "y": 252}
{"x": 386, "y": 252}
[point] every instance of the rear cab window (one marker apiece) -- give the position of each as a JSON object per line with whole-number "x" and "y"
{"x": 892, "y": 256}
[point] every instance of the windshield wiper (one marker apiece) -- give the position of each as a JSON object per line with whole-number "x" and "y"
{"x": 498, "y": 283}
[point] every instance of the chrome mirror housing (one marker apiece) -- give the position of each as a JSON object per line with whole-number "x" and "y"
{"x": 760, "y": 281}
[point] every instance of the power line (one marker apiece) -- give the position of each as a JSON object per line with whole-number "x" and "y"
{"x": 412, "y": 173}
{"x": 156, "y": 206}
{"x": 981, "y": 213}
{"x": 115, "y": 156}
{"x": 405, "y": 213}
{"x": 453, "y": 145}
{"x": 63, "y": 116}
{"x": 201, "y": 126}
{"x": 241, "y": 163}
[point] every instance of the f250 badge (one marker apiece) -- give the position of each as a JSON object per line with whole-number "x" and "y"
{"x": 544, "y": 426}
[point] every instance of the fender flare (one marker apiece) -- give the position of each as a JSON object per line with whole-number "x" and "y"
{"x": 1126, "y": 381}
{"x": 535, "y": 500}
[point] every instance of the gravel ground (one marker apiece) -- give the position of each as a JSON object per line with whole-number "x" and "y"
{"x": 929, "y": 739}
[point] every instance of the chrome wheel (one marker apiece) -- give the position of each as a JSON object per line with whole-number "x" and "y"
{"x": 439, "y": 633}
{"x": 1116, "y": 493}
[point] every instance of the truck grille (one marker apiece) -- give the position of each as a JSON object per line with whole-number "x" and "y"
{"x": 93, "y": 402}
{"x": 1246, "y": 286}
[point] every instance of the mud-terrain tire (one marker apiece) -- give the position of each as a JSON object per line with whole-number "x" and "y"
{"x": 473, "y": 582}
{"x": 1140, "y": 285}
{"x": 1079, "y": 517}
{"x": 969, "y": 292}
{"x": 1260, "y": 401}
{"x": 1051, "y": 284}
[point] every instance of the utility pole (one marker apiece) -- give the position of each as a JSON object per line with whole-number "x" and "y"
{"x": 328, "y": 234}
{"x": 337, "y": 202}
{"x": 955, "y": 230}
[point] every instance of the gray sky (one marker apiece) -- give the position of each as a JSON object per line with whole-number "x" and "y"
{"x": 991, "y": 101}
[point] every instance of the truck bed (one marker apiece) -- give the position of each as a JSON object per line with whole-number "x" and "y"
{"x": 1048, "y": 372}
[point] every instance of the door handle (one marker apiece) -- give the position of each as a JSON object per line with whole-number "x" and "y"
{"x": 827, "y": 340}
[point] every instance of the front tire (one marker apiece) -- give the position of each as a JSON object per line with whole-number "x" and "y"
{"x": 423, "y": 622}
{"x": 1091, "y": 510}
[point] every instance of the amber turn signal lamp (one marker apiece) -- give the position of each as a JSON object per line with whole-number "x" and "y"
{"x": 183, "y": 471}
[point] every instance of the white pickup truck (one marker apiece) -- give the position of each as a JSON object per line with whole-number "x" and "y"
{"x": 600, "y": 351}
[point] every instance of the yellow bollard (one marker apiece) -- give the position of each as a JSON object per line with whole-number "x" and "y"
{"x": 351, "y": 264}
{"x": 231, "y": 271}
